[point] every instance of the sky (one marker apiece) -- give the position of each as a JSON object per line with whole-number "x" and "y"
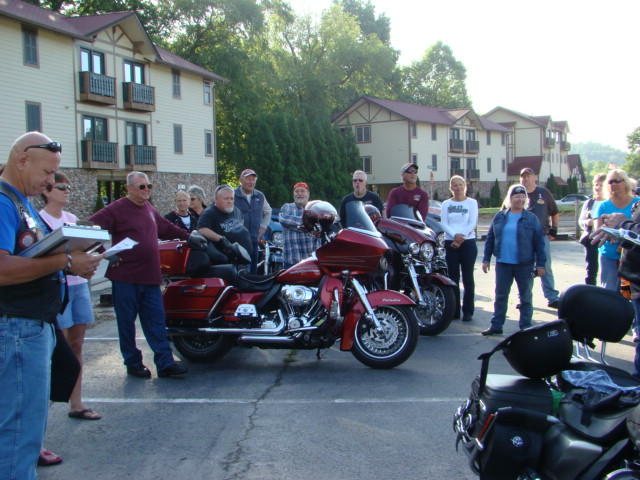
{"x": 572, "y": 60}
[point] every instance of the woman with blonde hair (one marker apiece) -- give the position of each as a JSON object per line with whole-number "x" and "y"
{"x": 619, "y": 199}
{"x": 459, "y": 220}
{"x": 182, "y": 216}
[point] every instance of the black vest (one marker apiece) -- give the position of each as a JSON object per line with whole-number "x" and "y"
{"x": 40, "y": 299}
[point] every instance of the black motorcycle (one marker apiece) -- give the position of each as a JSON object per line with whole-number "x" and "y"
{"x": 564, "y": 417}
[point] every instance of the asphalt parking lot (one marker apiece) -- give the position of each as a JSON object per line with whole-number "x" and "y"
{"x": 283, "y": 414}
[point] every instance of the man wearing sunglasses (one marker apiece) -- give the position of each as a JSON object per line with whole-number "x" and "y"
{"x": 409, "y": 193}
{"x": 31, "y": 295}
{"x": 136, "y": 277}
{"x": 361, "y": 194}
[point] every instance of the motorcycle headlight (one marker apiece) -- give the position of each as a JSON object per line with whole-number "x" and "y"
{"x": 426, "y": 251}
{"x": 441, "y": 253}
{"x": 383, "y": 265}
{"x": 277, "y": 239}
{"x": 414, "y": 248}
{"x": 440, "y": 240}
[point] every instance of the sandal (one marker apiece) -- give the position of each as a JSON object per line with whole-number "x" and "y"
{"x": 47, "y": 457}
{"x": 86, "y": 414}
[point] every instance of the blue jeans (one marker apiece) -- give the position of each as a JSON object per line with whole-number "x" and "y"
{"x": 26, "y": 346}
{"x": 254, "y": 258}
{"x": 463, "y": 258}
{"x": 609, "y": 278}
{"x": 131, "y": 300}
{"x": 548, "y": 282}
{"x": 506, "y": 273}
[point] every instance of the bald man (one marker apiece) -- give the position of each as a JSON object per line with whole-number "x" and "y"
{"x": 31, "y": 295}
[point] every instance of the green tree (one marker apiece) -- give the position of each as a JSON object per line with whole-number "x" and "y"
{"x": 495, "y": 195}
{"x": 369, "y": 24}
{"x": 632, "y": 165}
{"x": 438, "y": 80}
{"x": 552, "y": 185}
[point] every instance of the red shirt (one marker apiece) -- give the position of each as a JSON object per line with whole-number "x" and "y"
{"x": 414, "y": 198}
{"x": 145, "y": 225}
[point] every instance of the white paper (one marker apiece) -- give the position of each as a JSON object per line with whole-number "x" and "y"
{"x": 126, "y": 244}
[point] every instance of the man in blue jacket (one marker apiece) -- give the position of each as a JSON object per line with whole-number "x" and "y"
{"x": 255, "y": 210}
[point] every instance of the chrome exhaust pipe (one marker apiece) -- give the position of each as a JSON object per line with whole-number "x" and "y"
{"x": 259, "y": 332}
{"x": 273, "y": 342}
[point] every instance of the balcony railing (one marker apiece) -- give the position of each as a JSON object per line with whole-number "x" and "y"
{"x": 98, "y": 154}
{"x": 456, "y": 145}
{"x": 138, "y": 97}
{"x": 140, "y": 157}
{"x": 473, "y": 174}
{"x": 549, "y": 142}
{"x": 456, "y": 171}
{"x": 473, "y": 146}
{"x": 566, "y": 146}
{"x": 97, "y": 88}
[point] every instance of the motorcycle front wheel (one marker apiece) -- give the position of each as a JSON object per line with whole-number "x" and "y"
{"x": 435, "y": 315}
{"x": 392, "y": 345}
{"x": 204, "y": 348}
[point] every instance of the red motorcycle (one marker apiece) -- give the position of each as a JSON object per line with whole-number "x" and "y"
{"x": 310, "y": 305}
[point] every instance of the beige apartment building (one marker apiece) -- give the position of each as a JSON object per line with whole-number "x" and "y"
{"x": 442, "y": 142}
{"x": 115, "y": 101}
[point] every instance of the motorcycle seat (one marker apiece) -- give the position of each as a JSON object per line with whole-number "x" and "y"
{"x": 254, "y": 283}
{"x": 618, "y": 376}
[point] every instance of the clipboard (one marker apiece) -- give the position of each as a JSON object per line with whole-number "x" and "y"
{"x": 67, "y": 238}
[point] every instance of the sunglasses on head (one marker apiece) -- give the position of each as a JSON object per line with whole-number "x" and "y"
{"x": 615, "y": 180}
{"x": 143, "y": 186}
{"x": 55, "y": 147}
{"x": 358, "y": 180}
{"x": 62, "y": 188}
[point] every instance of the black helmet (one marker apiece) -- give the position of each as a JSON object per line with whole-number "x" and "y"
{"x": 539, "y": 351}
{"x": 318, "y": 212}
{"x": 373, "y": 212}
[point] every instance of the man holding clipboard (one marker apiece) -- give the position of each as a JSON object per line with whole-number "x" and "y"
{"x": 31, "y": 295}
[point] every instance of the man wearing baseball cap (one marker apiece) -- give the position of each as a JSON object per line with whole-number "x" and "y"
{"x": 255, "y": 210}
{"x": 409, "y": 193}
{"x": 543, "y": 206}
{"x": 297, "y": 245}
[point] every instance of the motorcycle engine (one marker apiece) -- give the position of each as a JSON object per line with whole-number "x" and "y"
{"x": 297, "y": 295}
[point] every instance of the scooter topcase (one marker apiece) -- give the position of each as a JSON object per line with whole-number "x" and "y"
{"x": 513, "y": 391}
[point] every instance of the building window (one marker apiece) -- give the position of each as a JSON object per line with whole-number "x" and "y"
{"x": 471, "y": 135}
{"x": 434, "y": 130}
{"x": 454, "y": 134}
{"x": 133, "y": 72}
{"x": 488, "y": 137}
{"x": 434, "y": 162}
{"x": 414, "y": 130}
{"x": 136, "y": 133}
{"x": 206, "y": 86}
{"x": 175, "y": 76}
{"x": 455, "y": 163}
{"x": 91, "y": 61}
{"x": 414, "y": 158}
{"x": 366, "y": 164}
{"x": 503, "y": 139}
{"x": 363, "y": 134}
{"x": 177, "y": 139}
{"x": 504, "y": 165}
{"x": 30, "y": 45}
{"x": 94, "y": 128}
{"x": 34, "y": 117}
{"x": 489, "y": 164}
{"x": 208, "y": 142}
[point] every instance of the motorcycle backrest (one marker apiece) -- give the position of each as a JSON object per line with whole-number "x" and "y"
{"x": 595, "y": 312}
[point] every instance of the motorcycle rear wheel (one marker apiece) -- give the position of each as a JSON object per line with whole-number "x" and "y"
{"x": 436, "y": 316}
{"x": 391, "y": 347}
{"x": 204, "y": 348}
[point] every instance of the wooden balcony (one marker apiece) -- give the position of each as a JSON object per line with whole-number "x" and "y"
{"x": 136, "y": 96}
{"x": 473, "y": 146}
{"x": 473, "y": 174}
{"x": 456, "y": 145}
{"x": 97, "y": 88}
{"x": 549, "y": 142}
{"x": 140, "y": 157}
{"x": 99, "y": 155}
{"x": 565, "y": 146}
{"x": 456, "y": 171}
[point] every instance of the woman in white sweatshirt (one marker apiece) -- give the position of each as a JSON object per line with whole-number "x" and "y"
{"x": 459, "y": 220}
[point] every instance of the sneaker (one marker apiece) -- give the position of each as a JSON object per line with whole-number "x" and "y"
{"x": 491, "y": 331}
{"x": 553, "y": 304}
{"x": 636, "y": 338}
{"x": 467, "y": 318}
{"x": 139, "y": 371}
{"x": 173, "y": 370}
{"x": 518, "y": 306}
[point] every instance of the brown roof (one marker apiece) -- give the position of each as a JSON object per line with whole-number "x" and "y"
{"x": 574, "y": 161}
{"x": 514, "y": 168}
{"x": 85, "y": 27}
{"x": 542, "y": 120}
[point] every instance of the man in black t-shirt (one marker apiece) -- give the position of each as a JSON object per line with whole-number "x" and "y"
{"x": 223, "y": 220}
{"x": 360, "y": 193}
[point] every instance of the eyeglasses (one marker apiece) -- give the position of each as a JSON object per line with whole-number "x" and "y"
{"x": 193, "y": 199}
{"x": 143, "y": 186}
{"x": 411, "y": 171}
{"x": 615, "y": 180}
{"x": 358, "y": 180}
{"x": 62, "y": 188}
{"x": 55, "y": 147}
{"x": 221, "y": 187}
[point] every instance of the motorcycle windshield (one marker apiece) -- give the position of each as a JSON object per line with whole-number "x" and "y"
{"x": 403, "y": 210}
{"x": 358, "y": 219}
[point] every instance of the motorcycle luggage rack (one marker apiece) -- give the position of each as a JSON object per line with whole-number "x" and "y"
{"x": 587, "y": 356}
